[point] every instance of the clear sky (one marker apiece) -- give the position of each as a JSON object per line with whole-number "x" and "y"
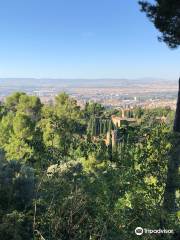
{"x": 81, "y": 39}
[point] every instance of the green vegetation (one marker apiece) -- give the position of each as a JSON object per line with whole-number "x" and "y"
{"x": 164, "y": 14}
{"x": 60, "y": 179}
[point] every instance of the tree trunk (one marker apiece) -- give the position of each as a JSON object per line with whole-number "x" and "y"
{"x": 172, "y": 182}
{"x": 176, "y": 127}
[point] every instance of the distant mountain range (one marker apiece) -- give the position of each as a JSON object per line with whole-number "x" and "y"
{"x": 65, "y": 83}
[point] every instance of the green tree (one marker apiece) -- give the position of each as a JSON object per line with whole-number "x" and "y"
{"x": 18, "y": 145}
{"x": 3, "y": 110}
{"x": 6, "y": 125}
{"x": 165, "y": 16}
{"x": 144, "y": 160}
{"x": 16, "y": 197}
{"x": 93, "y": 109}
{"x": 12, "y": 101}
{"x": 67, "y": 107}
{"x": 79, "y": 199}
{"x": 30, "y": 106}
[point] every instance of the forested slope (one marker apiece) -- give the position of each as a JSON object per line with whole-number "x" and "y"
{"x": 59, "y": 179}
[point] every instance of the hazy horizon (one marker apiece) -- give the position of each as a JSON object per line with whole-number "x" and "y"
{"x": 20, "y": 83}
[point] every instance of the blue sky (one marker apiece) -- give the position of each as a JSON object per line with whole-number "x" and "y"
{"x": 81, "y": 39}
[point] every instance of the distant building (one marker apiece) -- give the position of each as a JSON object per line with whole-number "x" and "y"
{"x": 112, "y": 136}
{"x": 108, "y": 139}
{"x": 120, "y": 121}
{"x": 162, "y": 119}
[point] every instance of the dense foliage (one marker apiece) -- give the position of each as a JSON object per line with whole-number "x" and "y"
{"x": 165, "y": 14}
{"x": 59, "y": 180}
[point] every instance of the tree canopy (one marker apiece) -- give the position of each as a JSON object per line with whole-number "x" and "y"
{"x": 165, "y": 14}
{"x": 59, "y": 179}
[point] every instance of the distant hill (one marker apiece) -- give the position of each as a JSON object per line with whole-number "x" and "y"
{"x": 42, "y": 82}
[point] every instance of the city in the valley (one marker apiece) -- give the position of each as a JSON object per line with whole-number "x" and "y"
{"x": 112, "y": 93}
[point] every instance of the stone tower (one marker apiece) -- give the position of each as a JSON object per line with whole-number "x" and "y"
{"x": 114, "y": 137}
{"x": 108, "y": 138}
